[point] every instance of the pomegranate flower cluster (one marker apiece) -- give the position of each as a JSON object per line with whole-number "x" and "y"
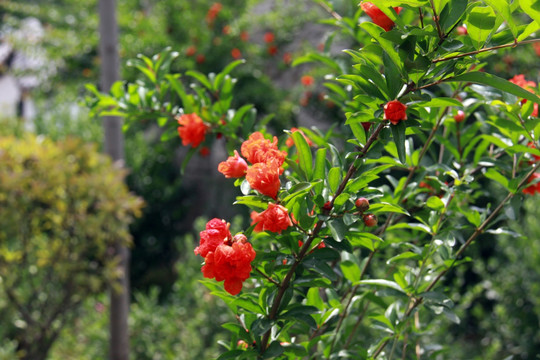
{"x": 262, "y": 176}
{"x": 266, "y": 160}
{"x": 226, "y": 258}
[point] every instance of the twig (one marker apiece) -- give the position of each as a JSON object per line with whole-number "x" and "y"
{"x": 513, "y": 44}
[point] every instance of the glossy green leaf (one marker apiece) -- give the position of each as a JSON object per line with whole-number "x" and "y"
{"x": 334, "y": 178}
{"x": 398, "y": 132}
{"x": 531, "y": 8}
{"x": 480, "y": 24}
{"x": 435, "y": 203}
{"x": 496, "y": 82}
{"x": 382, "y": 282}
{"x": 304, "y": 154}
{"x": 350, "y": 270}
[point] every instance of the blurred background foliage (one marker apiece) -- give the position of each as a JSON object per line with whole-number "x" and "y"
{"x": 173, "y": 316}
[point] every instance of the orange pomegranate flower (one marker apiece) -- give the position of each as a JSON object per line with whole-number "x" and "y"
{"x": 264, "y": 177}
{"x": 191, "y": 130}
{"x": 377, "y": 16}
{"x": 307, "y": 80}
{"x": 257, "y": 149}
{"x": 274, "y": 219}
{"x": 233, "y": 167}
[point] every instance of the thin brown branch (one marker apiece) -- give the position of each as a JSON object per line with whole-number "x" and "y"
{"x": 513, "y": 44}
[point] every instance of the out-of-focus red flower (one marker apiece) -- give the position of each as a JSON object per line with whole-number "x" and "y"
{"x": 200, "y": 59}
{"x": 213, "y": 12}
{"x": 257, "y": 149}
{"x": 226, "y": 30}
{"x": 462, "y": 30}
{"x": 532, "y": 146}
{"x": 236, "y": 53}
{"x": 528, "y": 85}
{"x": 264, "y": 177}
{"x": 532, "y": 189}
{"x": 395, "y": 112}
{"x": 307, "y": 80}
{"x": 321, "y": 245}
{"x": 269, "y": 37}
{"x": 520, "y": 80}
{"x": 290, "y": 142}
{"x": 204, "y": 151}
{"x": 304, "y": 100}
{"x": 287, "y": 58}
{"x": 536, "y": 46}
{"x": 275, "y": 219}
{"x": 242, "y": 344}
{"x": 320, "y": 47}
{"x": 377, "y": 16}
{"x": 190, "y": 51}
{"x": 216, "y": 233}
{"x": 191, "y": 130}
{"x": 244, "y": 36}
{"x": 258, "y": 226}
{"x": 272, "y": 50}
{"x": 230, "y": 263}
{"x": 233, "y": 167}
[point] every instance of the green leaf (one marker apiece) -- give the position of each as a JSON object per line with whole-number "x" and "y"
{"x": 496, "y": 82}
{"x": 275, "y": 349}
{"x": 388, "y": 46}
{"x": 334, "y": 178}
{"x": 319, "y": 172}
{"x": 480, "y": 24}
{"x": 249, "y": 305}
{"x": 439, "y": 102}
{"x": 398, "y": 132}
{"x": 200, "y": 77}
{"x": 435, "y": 203}
{"x": 338, "y": 229}
{"x": 260, "y": 326}
{"x": 364, "y": 239}
{"x": 383, "y": 207}
{"x": 304, "y": 154}
{"x": 496, "y": 176}
{"x": 351, "y": 271}
{"x": 404, "y": 256}
{"x": 531, "y": 8}
{"x": 382, "y": 282}
{"x": 230, "y": 67}
{"x": 503, "y": 8}
{"x": 176, "y": 84}
{"x": 533, "y": 27}
{"x": 452, "y": 13}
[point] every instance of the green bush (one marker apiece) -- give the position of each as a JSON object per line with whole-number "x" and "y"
{"x": 63, "y": 206}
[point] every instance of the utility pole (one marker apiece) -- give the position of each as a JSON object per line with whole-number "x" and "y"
{"x": 114, "y": 147}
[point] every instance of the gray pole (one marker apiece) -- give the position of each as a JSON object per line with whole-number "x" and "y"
{"x": 114, "y": 147}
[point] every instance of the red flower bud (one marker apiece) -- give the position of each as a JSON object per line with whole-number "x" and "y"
{"x": 461, "y": 30}
{"x": 233, "y": 167}
{"x": 236, "y": 54}
{"x": 395, "y": 112}
{"x": 307, "y": 80}
{"x": 370, "y": 220}
{"x": 460, "y": 116}
{"x": 327, "y": 206}
{"x": 362, "y": 204}
{"x": 377, "y": 16}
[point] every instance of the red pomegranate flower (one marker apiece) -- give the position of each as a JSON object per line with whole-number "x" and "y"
{"x": 257, "y": 149}
{"x": 307, "y": 80}
{"x": 213, "y": 12}
{"x": 520, "y": 80}
{"x": 236, "y": 53}
{"x": 532, "y": 189}
{"x": 191, "y": 130}
{"x": 230, "y": 263}
{"x": 233, "y": 167}
{"x": 275, "y": 219}
{"x": 264, "y": 177}
{"x": 216, "y": 233}
{"x": 269, "y": 37}
{"x": 377, "y": 16}
{"x": 533, "y": 146}
{"x": 190, "y": 51}
{"x": 272, "y": 50}
{"x": 395, "y": 112}
{"x": 244, "y": 36}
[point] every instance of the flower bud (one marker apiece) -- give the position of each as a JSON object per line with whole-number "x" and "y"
{"x": 370, "y": 220}
{"x": 460, "y": 116}
{"x": 362, "y": 204}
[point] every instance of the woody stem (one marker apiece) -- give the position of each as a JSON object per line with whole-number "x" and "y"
{"x": 318, "y": 226}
